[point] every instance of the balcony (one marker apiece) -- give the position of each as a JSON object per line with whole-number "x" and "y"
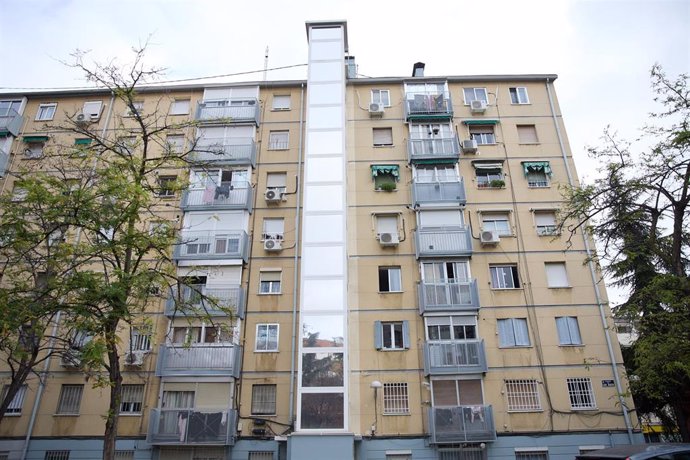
{"x": 238, "y": 151}
{"x": 456, "y": 424}
{"x": 421, "y": 106}
{"x": 219, "y": 359}
{"x": 448, "y": 297}
{"x": 212, "y": 245}
{"x": 430, "y": 150}
{"x": 442, "y": 193}
{"x": 451, "y": 357}
{"x": 233, "y": 195}
{"x": 199, "y": 300}
{"x": 4, "y": 159}
{"x": 228, "y": 111}
{"x": 192, "y": 427}
{"x": 444, "y": 242}
{"x": 10, "y": 122}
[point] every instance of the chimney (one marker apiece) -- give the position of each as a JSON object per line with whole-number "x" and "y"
{"x": 418, "y": 69}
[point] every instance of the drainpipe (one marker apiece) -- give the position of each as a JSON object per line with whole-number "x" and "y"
{"x": 46, "y": 364}
{"x": 592, "y": 272}
{"x": 295, "y": 281}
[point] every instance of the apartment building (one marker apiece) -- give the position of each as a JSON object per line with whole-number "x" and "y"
{"x": 388, "y": 247}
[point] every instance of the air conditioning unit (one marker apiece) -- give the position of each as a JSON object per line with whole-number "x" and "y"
{"x": 82, "y": 119}
{"x": 389, "y": 239}
{"x": 135, "y": 358}
{"x": 376, "y": 109}
{"x": 469, "y": 146}
{"x": 273, "y": 244}
{"x": 273, "y": 194}
{"x": 489, "y": 238}
{"x": 478, "y": 106}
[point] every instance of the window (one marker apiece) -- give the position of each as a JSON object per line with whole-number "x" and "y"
{"x": 545, "y": 222}
{"x": 167, "y": 186}
{"x": 180, "y": 107}
{"x": 92, "y": 109}
{"x": 34, "y": 150}
{"x": 391, "y": 335}
{"x": 281, "y": 102}
{"x": 136, "y": 108}
{"x": 383, "y": 137}
{"x": 498, "y": 222}
{"x": 385, "y": 176}
{"x": 140, "y": 339}
{"x": 580, "y": 393}
{"x": 475, "y": 94}
{"x": 266, "y": 337}
{"x": 483, "y": 134}
{"x": 556, "y": 275}
{"x": 537, "y": 173}
{"x": 512, "y": 332}
{"x": 277, "y": 180}
{"x": 395, "y": 399}
{"x": 19, "y": 193}
{"x": 435, "y": 173}
{"x": 81, "y": 146}
{"x": 263, "y": 399}
{"x": 260, "y": 455}
{"x": 489, "y": 175}
{"x": 70, "y": 399}
{"x": 440, "y": 328}
{"x": 381, "y": 96}
{"x": 518, "y": 95}
{"x": 175, "y": 143}
{"x": 568, "y": 330}
{"x": 407, "y": 456}
{"x": 504, "y": 277}
{"x": 389, "y": 279}
{"x": 527, "y": 134}
{"x": 387, "y": 223}
{"x": 7, "y": 107}
{"x": 132, "y": 399}
{"x": 269, "y": 282}
{"x": 15, "y": 407}
{"x": 46, "y": 112}
{"x": 278, "y": 140}
{"x": 57, "y": 455}
{"x": 532, "y": 454}
{"x": 523, "y": 395}
{"x": 273, "y": 229}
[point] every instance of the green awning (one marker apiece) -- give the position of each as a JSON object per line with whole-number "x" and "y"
{"x": 35, "y": 138}
{"x": 480, "y": 122}
{"x": 536, "y": 166}
{"x": 440, "y": 161}
{"x": 393, "y": 170}
{"x": 82, "y": 141}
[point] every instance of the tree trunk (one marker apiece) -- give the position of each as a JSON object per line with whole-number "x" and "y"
{"x": 18, "y": 380}
{"x": 115, "y": 379}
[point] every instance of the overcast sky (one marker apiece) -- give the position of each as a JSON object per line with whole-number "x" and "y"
{"x": 601, "y": 50}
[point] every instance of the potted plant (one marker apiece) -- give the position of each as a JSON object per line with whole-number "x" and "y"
{"x": 387, "y": 186}
{"x": 497, "y": 183}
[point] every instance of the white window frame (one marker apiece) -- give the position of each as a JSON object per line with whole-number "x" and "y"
{"x": 175, "y": 143}
{"x": 568, "y": 329}
{"x": 274, "y": 286}
{"x": 92, "y": 109}
{"x": 222, "y": 334}
{"x": 276, "y": 222}
{"x": 388, "y": 330}
{"x": 266, "y": 346}
{"x": 502, "y": 280}
{"x": 279, "y": 139}
{"x": 492, "y": 217}
{"x": 138, "y": 106}
{"x": 381, "y": 96}
{"x": 515, "y": 328}
{"x": 396, "y": 400}
{"x": 74, "y": 400}
{"x": 382, "y": 129}
{"x": 44, "y": 113}
{"x": 522, "y": 395}
{"x": 481, "y": 134}
{"x": 562, "y": 275}
{"x": 140, "y": 339}
{"x": 278, "y": 107}
{"x": 132, "y": 399}
{"x": 520, "y": 99}
{"x": 267, "y": 399}
{"x": 475, "y": 97}
{"x": 177, "y": 105}
{"x": 581, "y": 393}
{"x": 545, "y": 230}
{"x": 15, "y": 407}
{"x": 392, "y": 271}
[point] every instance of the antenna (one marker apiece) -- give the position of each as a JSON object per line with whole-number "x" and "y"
{"x": 265, "y": 62}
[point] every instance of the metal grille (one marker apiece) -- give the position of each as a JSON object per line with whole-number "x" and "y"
{"x": 4, "y": 455}
{"x": 70, "y": 400}
{"x": 17, "y": 402}
{"x": 523, "y": 395}
{"x": 141, "y": 339}
{"x": 124, "y": 455}
{"x": 395, "y": 398}
{"x": 532, "y": 455}
{"x": 57, "y": 454}
{"x": 581, "y": 394}
{"x": 462, "y": 453}
{"x": 132, "y": 397}
{"x": 260, "y": 455}
{"x": 263, "y": 399}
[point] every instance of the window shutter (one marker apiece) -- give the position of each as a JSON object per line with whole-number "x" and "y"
{"x": 383, "y": 136}
{"x": 378, "y": 335}
{"x": 406, "y": 335}
{"x": 527, "y": 134}
{"x": 544, "y": 218}
{"x": 556, "y": 275}
{"x": 387, "y": 224}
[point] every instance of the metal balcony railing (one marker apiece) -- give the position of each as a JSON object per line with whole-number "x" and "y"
{"x": 232, "y": 195}
{"x": 428, "y": 106}
{"x": 454, "y": 424}
{"x": 448, "y": 296}
{"x": 454, "y": 357}
{"x": 443, "y": 241}
{"x": 212, "y": 245}
{"x": 218, "y": 359}
{"x": 199, "y": 300}
{"x": 4, "y": 161}
{"x": 433, "y": 149}
{"x": 226, "y": 111}
{"x": 10, "y": 122}
{"x": 190, "y": 427}
{"x": 225, "y": 150}
{"x": 439, "y": 193}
